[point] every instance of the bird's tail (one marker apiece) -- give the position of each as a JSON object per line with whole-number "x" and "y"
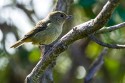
{"x": 17, "y": 44}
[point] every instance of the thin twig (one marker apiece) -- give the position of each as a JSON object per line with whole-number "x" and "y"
{"x": 115, "y": 46}
{"x": 111, "y": 28}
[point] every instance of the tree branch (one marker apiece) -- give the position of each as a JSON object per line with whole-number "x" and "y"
{"x": 116, "y": 46}
{"x": 76, "y": 33}
{"x": 95, "y": 67}
{"x": 63, "y": 5}
{"x": 111, "y": 28}
{"x": 105, "y": 30}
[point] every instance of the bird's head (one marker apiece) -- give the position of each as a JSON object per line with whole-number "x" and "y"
{"x": 58, "y": 17}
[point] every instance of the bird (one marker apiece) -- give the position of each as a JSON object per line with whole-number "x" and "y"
{"x": 45, "y": 31}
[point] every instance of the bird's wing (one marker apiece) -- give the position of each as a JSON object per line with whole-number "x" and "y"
{"x": 39, "y": 27}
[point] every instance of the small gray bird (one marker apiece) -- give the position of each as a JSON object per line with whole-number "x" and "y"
{"x": 46, "y": 31}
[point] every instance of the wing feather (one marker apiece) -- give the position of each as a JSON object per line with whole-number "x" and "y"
{"x": 39, "y": 27}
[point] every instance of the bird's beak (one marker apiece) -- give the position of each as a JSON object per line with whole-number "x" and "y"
{"x": 69, "y": 17}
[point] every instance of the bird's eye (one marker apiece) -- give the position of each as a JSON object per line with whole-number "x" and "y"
{"x": 62, "y": 15}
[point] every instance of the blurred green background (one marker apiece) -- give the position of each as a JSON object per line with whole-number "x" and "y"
{"x": 17, "y": 17}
